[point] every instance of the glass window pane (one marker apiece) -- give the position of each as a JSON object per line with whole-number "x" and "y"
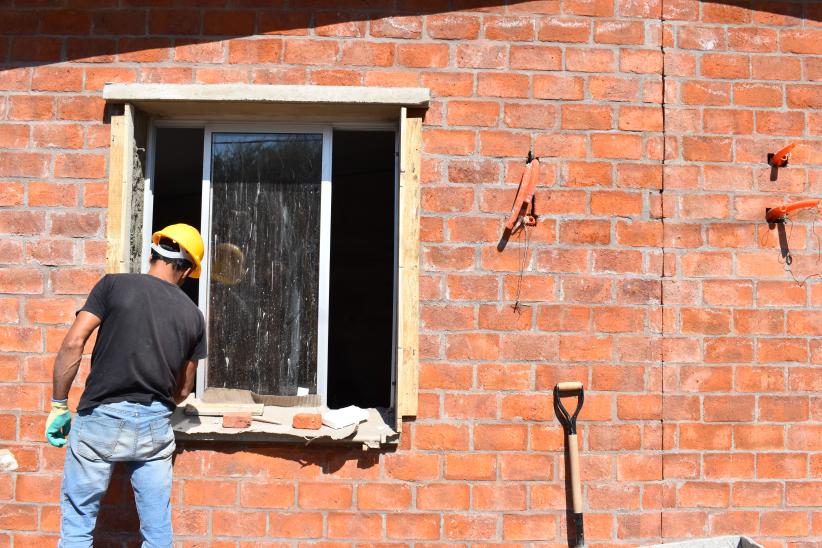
{"x": 265, "y": 250}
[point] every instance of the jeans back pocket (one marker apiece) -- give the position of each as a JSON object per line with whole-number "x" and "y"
{"x": 98, "y": 437}
{"x": 162, "y": 438}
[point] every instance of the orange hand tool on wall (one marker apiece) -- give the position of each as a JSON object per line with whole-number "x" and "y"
{"x": 778, "y": 214}
{"x": 522, "y": 214}
{"x": 780, "y": 159}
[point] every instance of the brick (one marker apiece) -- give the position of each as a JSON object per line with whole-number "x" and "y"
{"x": 34, "y": 107}
{"x": 364, "y": 54}
{"x": 616, "y": 146}
{"x": 781, "y": 465}
{"x": 324, "y": 495}
{"x": 535, "y": 58}
{"x": 517, "y": 527}
{"x": 355, "y": 526}
{"x": 472, "y": 113}
{"x": 263, "y": 50}
{"x": 705, "y": 93}
{"x": 397, "y": 27}
{"x": 500, "y": 437}
{"x": 614, "y": 437}
{"x": 619, "y": 32}
{"x": 558, "y": 87}
{"x": 530, "y": 116}
{"x": 586, "y": 117}
{"x": 776, "y": 68}
{"x": 266, "y": 494}
{"x": 785, "y": 524}
{"x": 231, "y": 523}
{"x": 38, "y": 488}
{"x": 589, "y": 60}
{"x": 726, "y": 523}
{"x": 57, "y": 78}
{"x": 471, "y": 526}
{"x": 503, "y": 85}
{"x": 784, "y": 123}
{"x": 452, "y": 142}
{"x": 509, "y": 28}
{"x": 499, "y": 497}
{"x": 14, "y": 136}
{"x": 564, "y": 29}
{"x": 445, "y": 84}
{"x": 443, "y": 496}
{"x": 803, "y": 494}
{"x": 471, "y": 466}
{"x": 422, "y": 55}
{"x": 503, "y": 143}
{"x": 413, "y": 526}
{"x": 801, "y": 41}
{"x": 476, "y": 406}
{"x": 307, "y": 421}
{"x": 699, "y": 436}
{"x": 803, "y": 438}
{"x": 640, "y": 119}
{"x": 624, "y": 497}
{"x": 481, "y": 56}
{"x": 75, "y": 224}
{"x": 641, "y": 61}
{"x": 297, "y": 525}
{"x": 639, "y": 467}
{"x": 452, "y": 27}
{"x": 383, "y": 496}
{"x": 329, "y": 24}
{"x": 412, "y": 466}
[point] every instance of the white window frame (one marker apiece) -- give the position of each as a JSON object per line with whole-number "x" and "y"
{"x": 326, "y": 130}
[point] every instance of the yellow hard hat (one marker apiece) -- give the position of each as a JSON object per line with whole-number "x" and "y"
{"x": 188, "y": 238}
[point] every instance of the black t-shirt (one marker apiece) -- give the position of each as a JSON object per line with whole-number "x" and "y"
{"x": 149, "y": 329}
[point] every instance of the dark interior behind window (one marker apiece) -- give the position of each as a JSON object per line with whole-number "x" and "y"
{"x": 361, "y": 285}
{"x": 178, "y": 183}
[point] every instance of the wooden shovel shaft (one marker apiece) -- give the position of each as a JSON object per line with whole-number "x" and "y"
{"x": 576, "y": 489}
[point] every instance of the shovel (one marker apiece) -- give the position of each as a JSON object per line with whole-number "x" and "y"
{"x": 570, "y": 423}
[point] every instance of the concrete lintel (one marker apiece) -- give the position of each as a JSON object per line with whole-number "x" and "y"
{"x": 251, "y": 93}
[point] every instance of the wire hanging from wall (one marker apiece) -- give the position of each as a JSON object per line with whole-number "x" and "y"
{"x": 788, "y": 215}
{"x": 522, "y": 219}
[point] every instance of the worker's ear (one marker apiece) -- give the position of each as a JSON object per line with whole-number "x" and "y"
{"x": 184, "y": 276}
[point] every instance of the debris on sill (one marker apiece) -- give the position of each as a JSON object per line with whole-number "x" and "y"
{"x": 193, "y": 419}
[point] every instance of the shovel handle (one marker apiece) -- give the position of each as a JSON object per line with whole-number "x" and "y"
{"x": 576, "y": 488}
{"x": 569, "y": 386}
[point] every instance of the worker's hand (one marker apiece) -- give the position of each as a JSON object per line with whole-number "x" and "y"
{"x": 58, "y": 423}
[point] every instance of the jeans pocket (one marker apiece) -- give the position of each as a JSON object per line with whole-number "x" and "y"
{"x": 162, "y": 437}
{"x": 97, "y": 437}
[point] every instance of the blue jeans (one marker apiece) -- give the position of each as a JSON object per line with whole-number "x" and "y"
{"x": 138, "y": 435}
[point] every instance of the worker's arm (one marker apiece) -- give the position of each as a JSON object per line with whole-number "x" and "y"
{"x": 58, "y": 423}
{"x": 71, "y": 351}
{"x": 185, "y": 384}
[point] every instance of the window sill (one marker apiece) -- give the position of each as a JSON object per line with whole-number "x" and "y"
{"x": 372, "y": 433}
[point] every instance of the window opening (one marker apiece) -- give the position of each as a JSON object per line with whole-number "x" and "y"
{"x": 298, "y": 289}
{"x": 361, "y": 283}
{"x": 265, "y": 214}
{"x": 177, "y": 183}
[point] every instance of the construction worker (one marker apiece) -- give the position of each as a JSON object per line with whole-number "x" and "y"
{"x": 143, "y": 363}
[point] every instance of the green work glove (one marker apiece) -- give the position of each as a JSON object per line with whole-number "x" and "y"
{"x": 58, "y": 424}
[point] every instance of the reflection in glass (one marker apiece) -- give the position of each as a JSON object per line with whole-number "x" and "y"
{"x": 265, "y": 242}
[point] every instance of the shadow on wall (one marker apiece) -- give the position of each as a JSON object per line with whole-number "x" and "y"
{"x": 206, "y": 463}
{"x": 33, "y": 34}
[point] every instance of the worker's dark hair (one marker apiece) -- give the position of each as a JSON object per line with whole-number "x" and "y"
{"x": 179, "y": 264}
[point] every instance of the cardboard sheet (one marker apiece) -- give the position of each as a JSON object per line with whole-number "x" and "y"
{"x": 276, "y": 425}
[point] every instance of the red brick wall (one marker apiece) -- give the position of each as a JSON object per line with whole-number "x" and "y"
{"x": 650, "y": 277}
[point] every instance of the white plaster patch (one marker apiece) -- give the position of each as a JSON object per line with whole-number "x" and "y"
{"x": 7, "y": 461}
